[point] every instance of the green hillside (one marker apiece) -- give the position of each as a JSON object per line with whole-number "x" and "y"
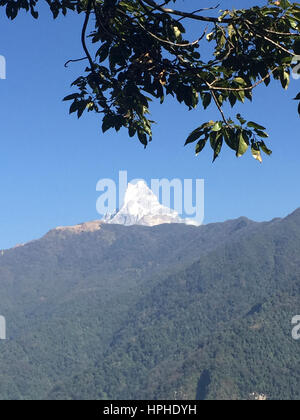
{"x": 172, "y": 311}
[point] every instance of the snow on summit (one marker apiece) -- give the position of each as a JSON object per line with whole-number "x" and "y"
{"x": 142, "y": 207}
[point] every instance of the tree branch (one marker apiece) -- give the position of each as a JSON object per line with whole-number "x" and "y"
{"x": 218, "y": 104}
{"x": 187, "y": 44}
{"x": 83, "y": 35}
{"x": 212, "y": 87}
{"x": 260, "y": 34}
{"x": 190, "y": 15}
{"x": 199, "y": 11}
{"x": 75, "y": 61}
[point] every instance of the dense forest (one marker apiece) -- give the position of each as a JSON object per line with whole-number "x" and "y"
{"x": 168, "y": 312}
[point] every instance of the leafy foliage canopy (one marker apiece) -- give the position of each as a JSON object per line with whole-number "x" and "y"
{"x": 143, "y": 52}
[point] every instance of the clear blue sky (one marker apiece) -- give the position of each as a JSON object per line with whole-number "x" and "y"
{"x": 50, "y": 162}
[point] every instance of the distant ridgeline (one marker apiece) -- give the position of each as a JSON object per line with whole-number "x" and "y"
{"x": 105, "y": 311}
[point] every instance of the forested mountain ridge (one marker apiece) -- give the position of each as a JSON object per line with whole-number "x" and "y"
{"x": 171, "y": 311}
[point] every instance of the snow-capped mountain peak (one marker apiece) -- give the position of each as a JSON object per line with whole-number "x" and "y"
{"x": 142, "y": 207}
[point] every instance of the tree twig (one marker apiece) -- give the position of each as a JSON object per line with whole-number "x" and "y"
{"x": 187, "y": 44}
{"x": 219, "y": 88}
{"x": 199, "y": 11}
{"x": 75, "y": 61}
{"x": 190, "y": 15}
{"x": 218, "y": 104}
{"x": 260, "y": 34}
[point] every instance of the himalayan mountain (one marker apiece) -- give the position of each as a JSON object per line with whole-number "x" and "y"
{"x": 142, "y": 207}
{"x": 142, "y": 305}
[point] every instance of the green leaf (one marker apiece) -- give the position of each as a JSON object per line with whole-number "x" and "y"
{"x": 240, "y": 81}
{"x": 200, "y": 146}
{"x": 103, "y": 52}
{"x": 107, "y": 123}
{"x": 71, "y": 97}
{"x": 265, "y": 149}
{"x": 217, "y": 126}
{"x": 206, "y": 100}
{"x": 195, "y": 135}
{"x": 243, "y": 145}
{"x": 74, "y": 107}
{"x": 142, "y": 138}
{"x": 285, "y": 80}
{"x": 177, "y": 32}
{"x": 231, "y": 138}
{"x": 261, "y": 134}
{"x": 255, "y": 125}
{"x": 218, "y": 146}
{"x": 256, "y": 154}
{"x": 241, "y": 95}
{"x": 232, "y": 99}
{"x": 81, "y": 108}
